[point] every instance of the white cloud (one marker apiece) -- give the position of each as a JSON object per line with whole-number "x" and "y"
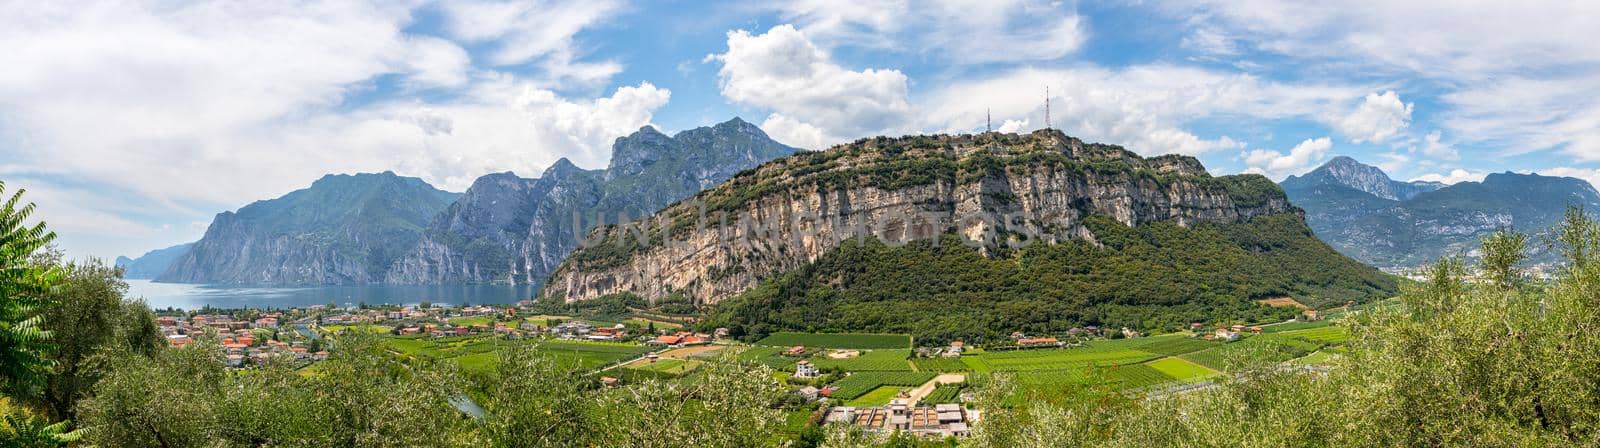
{"x": 1525, "y": 115}
{"x": 1412, "y": 36}
{"x": 964, "y": 31}
{"x": 785, "y": 72}
{"x": 1455, "y": 176}
{"x": 1392, "y": 162}
{"x": 1013, "y": 126}
{"x": 1379, "y": 117}
{"x": 202, "y": 106}
{"x": 1508, "y": 70}
{"x": 1142, "y": 107}
{"x": 1432, "y": 146}
{"x": 796, "y": 133}
{"x": 521, "y": 31}
{"x": 1277, "y": 165}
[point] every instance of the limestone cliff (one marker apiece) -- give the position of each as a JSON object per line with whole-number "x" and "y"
{"x": 992, "y": 189}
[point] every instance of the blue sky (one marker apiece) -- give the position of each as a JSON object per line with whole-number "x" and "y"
{"x": 132, "y": 123}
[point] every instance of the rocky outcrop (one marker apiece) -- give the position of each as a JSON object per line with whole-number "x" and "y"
{"x": 992, "y": 189}
{"x": 507, "y": 229}
{"x": 343, "y": 229}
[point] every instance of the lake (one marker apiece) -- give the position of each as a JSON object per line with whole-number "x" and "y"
{"x": 191, "y": 296}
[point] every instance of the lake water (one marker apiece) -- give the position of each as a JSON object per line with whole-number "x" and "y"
{"x": 190, "y": 296}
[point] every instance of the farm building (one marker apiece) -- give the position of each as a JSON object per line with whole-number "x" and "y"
{"x": 935, "y": 421}
{"x": 805, "y": 369}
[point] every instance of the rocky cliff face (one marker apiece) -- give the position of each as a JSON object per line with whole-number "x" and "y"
{"x": 507, "y": 229}
{"x": 344, "y": 229}
{"x": 991, "y": 189}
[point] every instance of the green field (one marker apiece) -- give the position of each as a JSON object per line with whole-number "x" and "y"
{"x": 1252, "y": 350}
{"x": 877, "y": 397}
{"x": 944, "y": 393}
{"x": 1174, "y": 345}
{"x": 1063, "y": 358}
{"x": 838, "y": 340}
{"x": 470, "y": 321}
{"x": 858, "y": 384}
{"x": 873, "y": 360}
{"x": 1292, "y": 326}
{"x": 1327, "y": 334}
{"x": 770, "y": 356}
{"x": 375, "y": 329}
{"x": 477, "y": 353}
{"x": 941, "y": 365}
{"x": 1181, "y": 369}
{"x": 672, "y": 367}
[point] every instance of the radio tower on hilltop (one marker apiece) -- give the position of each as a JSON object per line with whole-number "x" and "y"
{"x": 1047, "y": 107}
{"x": 988, "y": 122}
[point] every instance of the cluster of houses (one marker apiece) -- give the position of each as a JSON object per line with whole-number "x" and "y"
{"x": 1224, "y": 334}
{"x": 239, "y": 343}
{"x": 942, "y": 420}
{"x": 580, "y": 330}
{"x": 681, "y": 339}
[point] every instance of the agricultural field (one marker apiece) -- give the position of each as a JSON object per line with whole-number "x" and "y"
{"x": 944, "y": 393}
{"x": 1265, "y": 348}
{"x": 478, "y": 352}
{"x": 858, "y": 384}
{"x": 877, "y": 397}
{"x": 375, "y": 329}
{"x": 770, "y": 356}
{"x": 1327, "y": 335}
{"x": 941, "y": 365}
{"x": 1182, "y": 369}
{"x": 470, "y": 321}
{"x": 1292, "y": 326}
{"x": 871, "y": 360}
{"x": 673, "y": 367}
{"x": 866, "y": 341}
{"x": 1091, "y": 354}
{"x": 1174, "y": 345}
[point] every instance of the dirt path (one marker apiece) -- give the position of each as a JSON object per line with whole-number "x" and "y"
{"x": 927, "y": 388}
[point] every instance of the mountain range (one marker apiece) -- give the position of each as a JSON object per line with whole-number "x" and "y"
{"x": 343, "y": 229}
{"x": 1358, "y": 210}
{"x": 153, "y": 263}
{"x": 384, "y": 228}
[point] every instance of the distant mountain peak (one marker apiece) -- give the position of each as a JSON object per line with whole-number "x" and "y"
{"x": 562, "y": 167}
{"x": 1349, "y": 172}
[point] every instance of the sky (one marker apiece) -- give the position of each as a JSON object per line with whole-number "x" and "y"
{"x": 131, "y": 123}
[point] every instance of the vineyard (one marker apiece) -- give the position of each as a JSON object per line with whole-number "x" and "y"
{"x": 941, "y": 365}
{"x": 944, "y": 393}
{"x": 858, "y": 384}
{"x": 875, "y": 360}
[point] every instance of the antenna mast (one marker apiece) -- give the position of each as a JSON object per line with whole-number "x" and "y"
{"x": 1047, "y": 107}
{"x": 988, "y": 122}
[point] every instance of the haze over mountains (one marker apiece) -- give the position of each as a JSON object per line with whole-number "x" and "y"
{"x": 384, "y": 228}
{"x": 1358, "y": 210}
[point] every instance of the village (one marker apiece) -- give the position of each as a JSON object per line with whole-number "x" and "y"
{"x": 877, "y": 382}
